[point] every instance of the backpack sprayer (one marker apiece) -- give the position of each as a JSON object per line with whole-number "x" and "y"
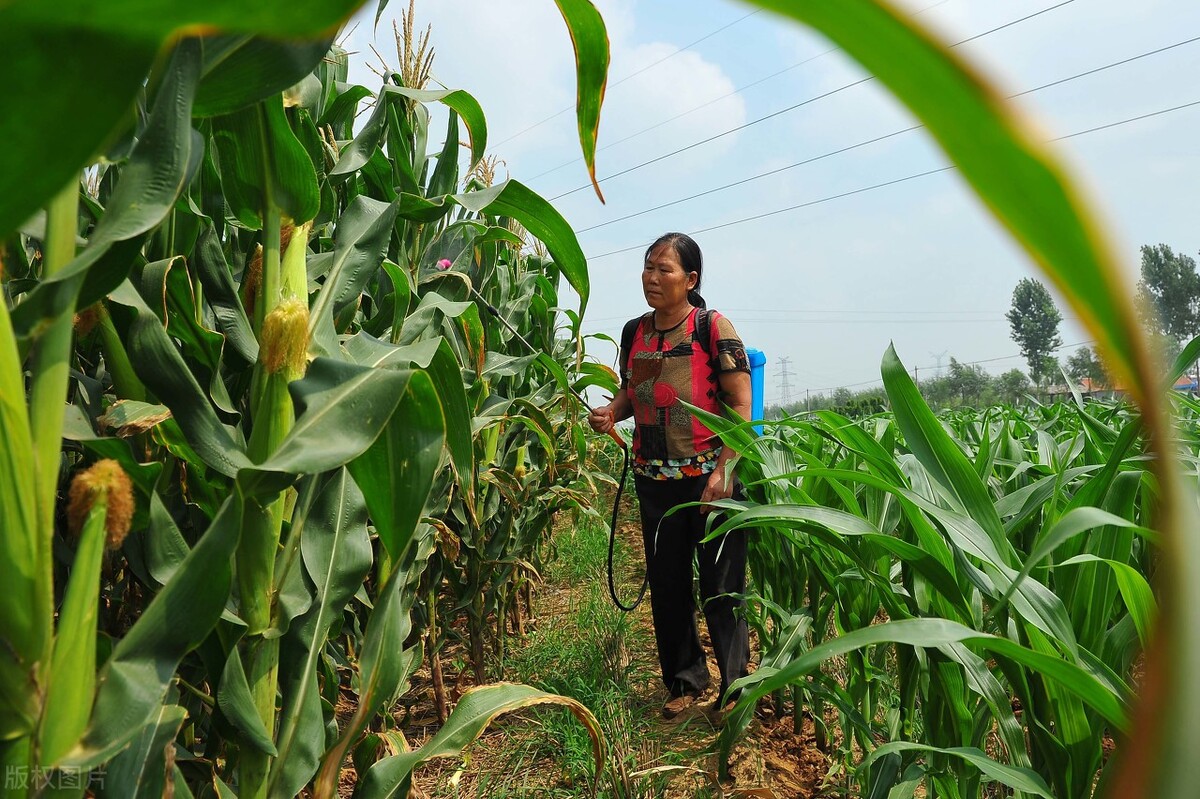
{"x": 615, "y": 436}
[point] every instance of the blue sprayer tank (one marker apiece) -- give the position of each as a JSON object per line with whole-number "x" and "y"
{"x": 758, "y": 362}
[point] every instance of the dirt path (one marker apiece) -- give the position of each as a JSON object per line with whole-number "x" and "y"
{"x": 576, "y": 640}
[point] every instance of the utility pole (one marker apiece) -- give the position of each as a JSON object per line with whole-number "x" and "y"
{"x": 785, "y": 386}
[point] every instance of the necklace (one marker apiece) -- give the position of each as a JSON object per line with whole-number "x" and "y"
{"x": 664, "y": 331}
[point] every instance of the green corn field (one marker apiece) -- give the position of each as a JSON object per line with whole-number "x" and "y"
{"x": 265, "y": 452}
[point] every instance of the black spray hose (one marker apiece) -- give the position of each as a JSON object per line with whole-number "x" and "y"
{"x": 612, "y": 542}
{"x": 615, "y": 436}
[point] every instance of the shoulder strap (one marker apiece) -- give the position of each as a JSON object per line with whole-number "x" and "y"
{"x": 627, "y": 334}
{"x": 704, "y": 334}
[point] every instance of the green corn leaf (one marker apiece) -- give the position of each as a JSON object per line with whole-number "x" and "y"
{"x": 169, "y": 290}
{"x": 512, "y": 199}
{"x": 355, "y": 401}
{"x": 840, "y": 523}
{"x": 358, "y": 152}
{"x": 474, "y": 712}
{"x": 396, "y": 301}
{"x": 366, "y": 350}
{"x": 237, "y": 703}
{"x": 262, "y": 162}
{"x": 166, "y": 548}
{"x": 461, "y": 103}
{"x": 240, "y": 71}
{"x": 422, "y": 321}
{"x": 396, "y": 472}
{"x": 737, "y": 434}
{"x": 140, "y": 771}
{"x": 221, "y": 296}
{"x": 164, "y": 160}
{"x": 444, "y": 178}
{"x": 942, "y": 459}
{"x": 159, "y": 168}
{"x": 1185, "y": 360}
{"x": 444, "y": 371}
{"x": 337, "y": 556}
{"x": 110, "y": 49}
{"x": 925, "y": 633}
{"x": 1071, "y": 524}
{"x": 73, "y": 665}
{"x": 1135, "y": 591}
{"x": 25, "y": 635}
{"x": 360, "y": 242}
{"x": 340, "y": 113}
{"x": 1019, "y": 779}
{"x": 134, "y": 681}
{"x": 590, "y": 40}
{"x": 979, "y": 678}
{"x": 380, "y": 672}
{"x": 162, "y": 369}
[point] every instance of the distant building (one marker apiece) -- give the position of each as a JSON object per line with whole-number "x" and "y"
{"x": 1089, "y": 389}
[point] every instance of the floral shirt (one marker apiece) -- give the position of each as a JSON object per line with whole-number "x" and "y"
{"x": 664, "y": 367}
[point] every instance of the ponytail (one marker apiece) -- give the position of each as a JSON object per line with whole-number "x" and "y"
{"x": 695, "y": 299}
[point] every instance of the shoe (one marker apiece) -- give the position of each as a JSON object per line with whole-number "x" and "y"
{"x": 676, "y": 705}
{"x": 716, "y": 712}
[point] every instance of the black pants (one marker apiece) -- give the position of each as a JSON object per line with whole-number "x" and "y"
{"x": 669, "y": 565}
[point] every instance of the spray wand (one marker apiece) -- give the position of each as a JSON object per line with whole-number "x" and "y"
{"x": 613, "y": 434}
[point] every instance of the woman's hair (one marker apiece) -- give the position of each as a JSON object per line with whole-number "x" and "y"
{"x": 689, "y": 256}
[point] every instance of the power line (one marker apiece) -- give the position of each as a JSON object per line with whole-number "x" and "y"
{"x": 896, "y": 181}
{"x": 631, "y": 75}
{"x": 800, "y": 104}
{"x": 725, "y": 96}
{"x": 789, "y": 208}
{"x": 874, "y": 140}
{"x": 1120, "y": 63}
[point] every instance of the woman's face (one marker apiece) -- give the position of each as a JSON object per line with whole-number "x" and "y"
{"x": 664, "y": 282}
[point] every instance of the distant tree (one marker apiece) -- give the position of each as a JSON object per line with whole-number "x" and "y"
{"x": 966, "y": 382}
{"x": 1170, "y": 289}
{"x": 1085, "y": 363}
{"x": 1012, "y": 386}
{"x": 1034, "y": 321}
{"x": 938, "y": 392}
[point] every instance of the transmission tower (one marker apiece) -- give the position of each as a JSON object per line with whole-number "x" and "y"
{"x": 938, "y": 357}
{"x": 785, "y": 386}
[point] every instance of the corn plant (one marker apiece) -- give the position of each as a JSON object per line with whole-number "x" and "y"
{"x": 270, "y": 375}
{"x": 1008, "y": 562}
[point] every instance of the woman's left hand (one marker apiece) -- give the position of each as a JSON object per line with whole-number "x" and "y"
{"x": 719, "y": 486}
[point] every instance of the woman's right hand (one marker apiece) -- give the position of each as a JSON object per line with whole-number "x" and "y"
{"x": 602, "y": 419}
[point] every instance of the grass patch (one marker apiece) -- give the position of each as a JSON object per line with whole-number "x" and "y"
{"x": 580, "y": 552}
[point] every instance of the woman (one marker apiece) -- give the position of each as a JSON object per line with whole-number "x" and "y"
{"x": 677, "y": 460}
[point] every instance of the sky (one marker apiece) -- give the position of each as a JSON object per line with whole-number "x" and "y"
{"x": 826, "y": 286}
